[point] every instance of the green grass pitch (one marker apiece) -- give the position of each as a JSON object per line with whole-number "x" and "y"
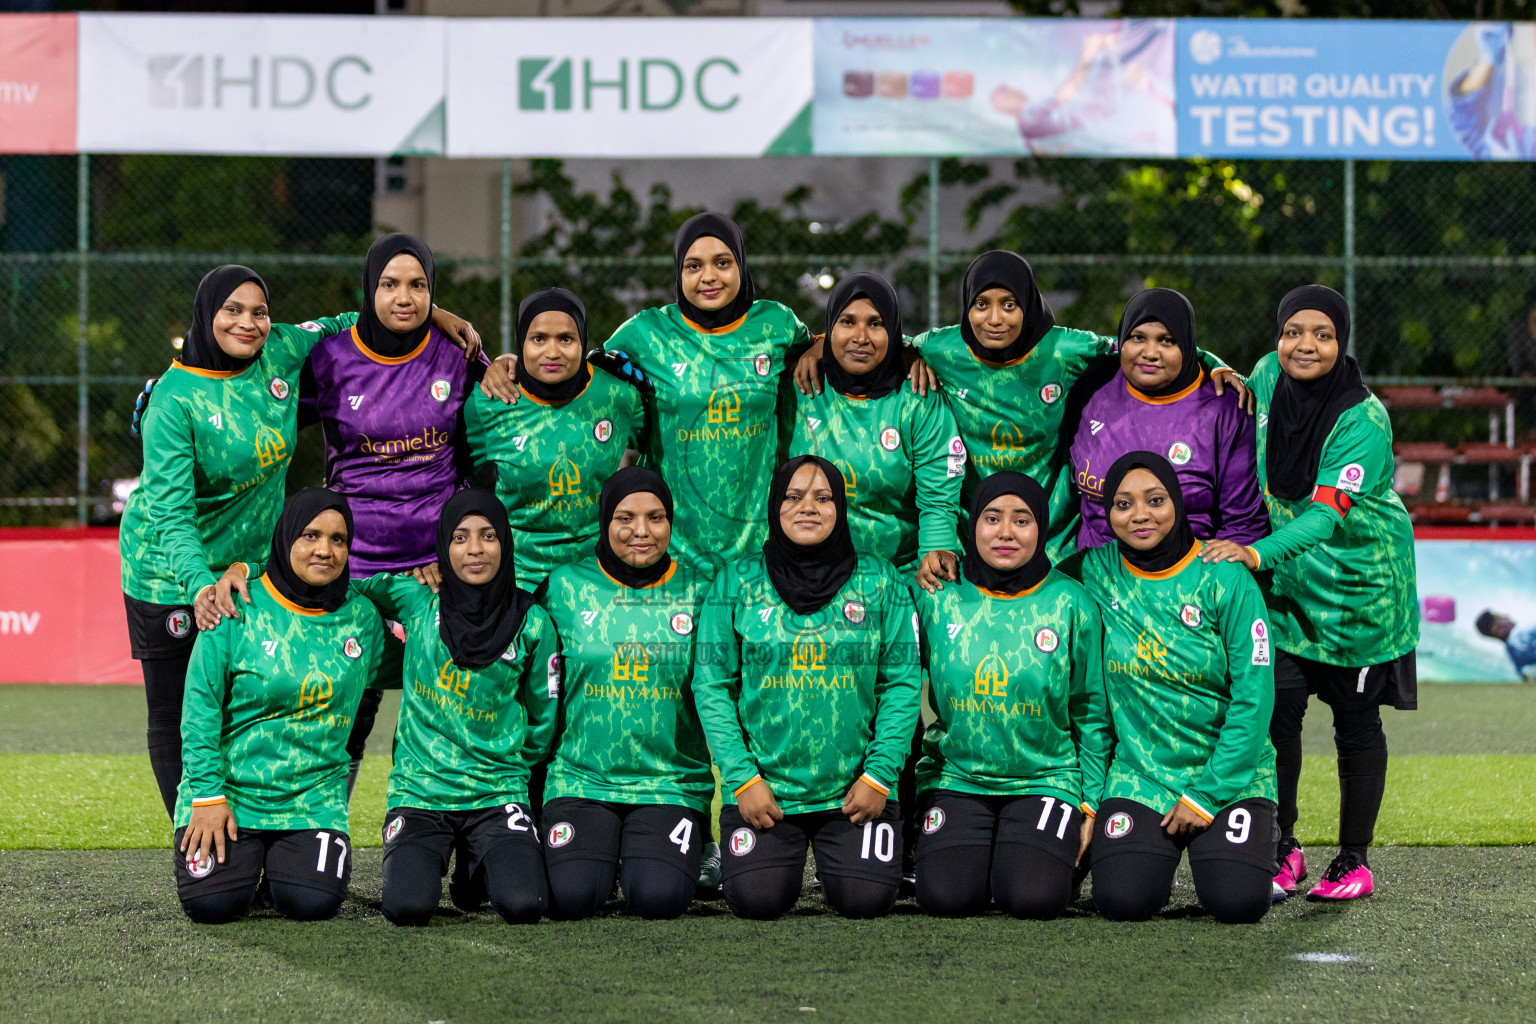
{"x": 90, "y": 928}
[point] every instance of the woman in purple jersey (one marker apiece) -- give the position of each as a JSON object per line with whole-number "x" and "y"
{"x": 1162, "y": 399}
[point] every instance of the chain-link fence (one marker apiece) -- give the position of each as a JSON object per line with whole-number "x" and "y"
{"x": 1438, "y": 258}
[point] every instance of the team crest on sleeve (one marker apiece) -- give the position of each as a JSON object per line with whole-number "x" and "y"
{"x": 1179, "y": 453}
{"x": 552, "y": 677}
{"x": 510, "y": 654}
{"x": 933, "y": 821}
{"x": 1351, "y": 477}
{"x": 560, "y": 834}
{"x": 762, "y": 364}
{"x": 352, "y": 648}
{"x": 278, "y": 387}
{"x": 743, "y": 841}
{"x": 393, "y": 829}
{"x": 310, "y": 326}
{"x": 1046, "y": 639}
{"x": 178, "y": 623}
{"x": 890, "y": 439}
{"x": 1050, "y": 393}
{"x": 441, "y": 389}
{"x": 956, "y": 458}
{"x": 853, "y": 611}
{"x": 1260, "y": 634}
{"x": 682, "y": 623}
{"x": 200, "y": 866}
{"x": 1190, "y": 616}
{"x": 603, "y": 430}
{"x": 1118, "y": 825}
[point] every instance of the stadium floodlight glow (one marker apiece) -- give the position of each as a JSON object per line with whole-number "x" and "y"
{"x": 176, "y": 343}
{"x": 826, "y": 280}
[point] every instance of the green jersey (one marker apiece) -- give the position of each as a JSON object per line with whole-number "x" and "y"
{"x": 466, "y": 738}
{"x": 808, "y": 703}
{"x": 1018, "y": 688}
{"x": 1344, "y": 587}
{"x": 1191, "y": 684}
{"x": 902, "y": 462}
{"x": 630, "y": 732}
{"x": 715, "y": 435}
{"x": 551, "y": 462}
{"x": 216, "y": 450}
{"x": 268, "y": 709}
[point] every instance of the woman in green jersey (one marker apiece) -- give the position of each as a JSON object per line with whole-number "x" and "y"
{"x": 1342, "y": 588}
{"x": 270, "y": 698}
{"x": 1191, "y": 687}
{"x": 807, "y": 686}
{"x": 711, "y": 364}
{"x": 900, "y": 453}
{"x": 552, "y": 451}
{"x": 1016, "y": 757}
{"x": 629, "y": 791}
{"x": 481, "y": 681}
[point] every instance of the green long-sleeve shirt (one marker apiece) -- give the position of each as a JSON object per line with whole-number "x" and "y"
{"x": 268, "y": 709}
{"x": 630, "y": 733}
{"x": 902, "y": 462}
{"x": 551, "y": 462}
{"x": 1344, "y": 588}
{"x": 1018, "y": 688}
{"x": 809, "y": 703}
{"x": 466, "y": 738}
{"x": 216, "y": 451}
{"x": 1191, "y": 682}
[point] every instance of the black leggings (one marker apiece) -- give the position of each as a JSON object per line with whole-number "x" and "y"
{"x": 165, "y": 683}
{"x": 1362, "y": 747}
{"x": 1026, "y": 881}
{"x": 513, "y": 874}
{"x": 296, "y": 902}
{"x": 770, "y": 893}
{"x": 653, "y": 889}
{"x": 1135, "y": 888}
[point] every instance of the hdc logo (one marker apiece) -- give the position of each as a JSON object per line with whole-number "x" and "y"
{"x": 550, "y": 83}
{"x": 276, "y": 83}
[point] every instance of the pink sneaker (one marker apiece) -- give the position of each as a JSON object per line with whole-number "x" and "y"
{"x": 1347, "y": 878}
{"x": 1292, "y": 870}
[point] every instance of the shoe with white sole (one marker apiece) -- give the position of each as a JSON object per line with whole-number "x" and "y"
{"x": 1292, "y": 870}
{"x": 1347, "y": 878}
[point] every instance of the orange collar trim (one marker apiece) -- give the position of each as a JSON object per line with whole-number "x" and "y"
{"x": 357, "y": 339}
{"x": 1168, "y": 573}
{"x": 1166, "y": 399}
{"x": 999, "y": 366}
{"x": 727, "y": 329}
{"x": 1009, "y": 597}
{"x": 671, "y": 571}
{"x": 280, "y": 599}
{"x": 556, "y": 405}
{"x": 198, "y": 371}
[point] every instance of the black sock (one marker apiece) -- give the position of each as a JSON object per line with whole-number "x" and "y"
{"x": 1285, "y": 734}
{"x": 1362, "y": 777}
{"x": 165, "y": 681}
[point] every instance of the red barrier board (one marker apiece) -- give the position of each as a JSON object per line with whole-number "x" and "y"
{"x": 61, "y": 609}
{"x": 38, "y": 55}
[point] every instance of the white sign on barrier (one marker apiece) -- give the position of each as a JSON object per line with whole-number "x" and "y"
{"x": 176, "y": 83}
{"x": 629, "y": 87}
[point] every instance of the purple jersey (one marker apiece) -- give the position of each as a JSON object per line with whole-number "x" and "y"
{"x": 1209, "y": 440}
{"x": 391, "y": 426}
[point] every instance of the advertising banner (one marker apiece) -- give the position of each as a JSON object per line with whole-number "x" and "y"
{"x": 982, "y": 86}
{"x": 237, "y": 84}
{"x": 1388, "y": 90}
{"x": 617, "y": 87}
{"x": 1478, "y": 610}
{"x": 37, "y": 83}
{"x": 73, "y": 630}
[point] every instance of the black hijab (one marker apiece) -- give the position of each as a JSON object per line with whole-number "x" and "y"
{"x": 1180, "y": 538}
{"x": 200, "y": 348}
{"x": 627, "y": 481}
{"x": 1302, "y": 413}
{"x": 379, "y": 338}
{"x": 889, "y": 374}
{"x": 1173, "y": 311}
{"x": 1008, "y": 581}
{"x": 299, "y": 511}
{"x": 556, "y": 300}
{"x": 1002, "y": 269}
{"x": 714, "y": 225}
{"x": 808, "y": 576}
{"x": 478, "y": 621}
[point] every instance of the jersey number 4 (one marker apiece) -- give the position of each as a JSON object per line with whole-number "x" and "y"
{"x": 682, "y": 835}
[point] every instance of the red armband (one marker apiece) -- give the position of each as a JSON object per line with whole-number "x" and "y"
{"x": 1334, "y": 498}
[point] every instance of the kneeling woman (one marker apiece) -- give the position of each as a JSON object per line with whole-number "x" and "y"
{"x": 1191, "y": 688}
{"x": 269, "y": 704}
{"x": 481, "y": 695}
{"x": 630, "y": 787}
{"x": 809, "y": 695}
{"x": 1016, "y": 758}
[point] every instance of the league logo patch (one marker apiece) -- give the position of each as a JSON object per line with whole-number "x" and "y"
{"x": 1050, "y": 393}
{"x": 441, "y": 389}
{"x": 393, "y": 829}
{"x": 1351, "y": 477}
{"x": 682, "y": 623}
{"x": 933, "y": 821}
{"x": 1047, "y": 640}
{"x": 853, "y": 611}
{"x": 510, "y": 654}
{"x": 279, "y": 388}
{"x": 1260, "y": 634}
{"x": 890, "y": 439}
{"x": 603, "y": 430}
{"x": 200, "y": 866}
{"x": 743, "y": 842}
{"x": 956, "y": 466}
{"x": 762, "y": 364}
{"x": 352, "y": 648}
{"x": 560, "y": 834}
{"x": 1118, "y": 825}
{"x": 1180, "y": 453}
{"x": 1190, "y": 616}
{"x": 178, "y": 623}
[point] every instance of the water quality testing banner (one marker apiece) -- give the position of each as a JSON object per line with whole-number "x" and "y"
{"x": 245, "y": 84}
{"x": 1387, "y": 90}
{"x": 1477, "y": 604}
{"x": 983, "y": 86}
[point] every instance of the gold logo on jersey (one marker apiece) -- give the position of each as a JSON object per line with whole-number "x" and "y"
{"x": 270, "y": 447}
{"x": 1006, "y": 437}
{"x": 992, "y": 677}
{"x": 724, "y": 405}
{"x": 1149, "y": 648}
{"x": 316, "y": 689}
{"x": 850, "y": 478}
{"x": 631, "y": 663}
{"x": 451, "y": 680}
{"x": 564, "y": 477}
{"x": 809, "y": 652}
